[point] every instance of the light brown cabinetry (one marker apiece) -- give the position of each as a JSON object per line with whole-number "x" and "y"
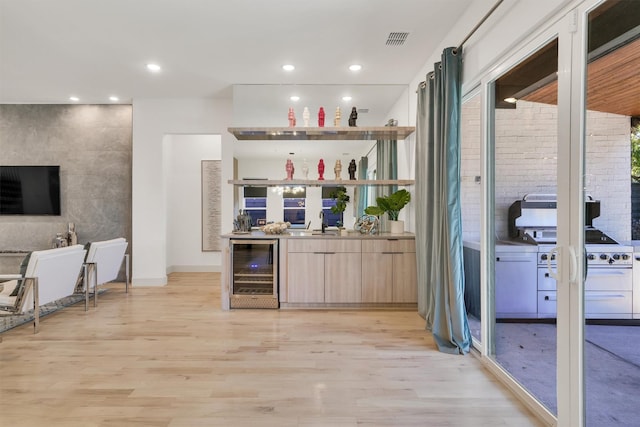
{"x": 389, "y": 271}
{"x": 305, "y": 277}
{"x": 324, "y": 271}
{"x": 342, "y": 277}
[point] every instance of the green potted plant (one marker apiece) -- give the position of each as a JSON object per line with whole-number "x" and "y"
{"x": 392, "y": 205}
{"x": 342, "y": 198}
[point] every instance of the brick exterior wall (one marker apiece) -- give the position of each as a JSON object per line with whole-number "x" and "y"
{"x": 470, "y": 189}
{"x": 526, "y": 162}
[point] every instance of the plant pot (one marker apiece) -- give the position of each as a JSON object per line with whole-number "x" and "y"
{"x": 396, "y": 227}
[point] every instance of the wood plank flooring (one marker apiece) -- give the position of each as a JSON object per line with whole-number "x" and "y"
{"x": 169, "y": 356}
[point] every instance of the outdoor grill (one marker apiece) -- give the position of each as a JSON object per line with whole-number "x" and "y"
{"x": 609, "y": 282}
{"x": 533, "y": 220}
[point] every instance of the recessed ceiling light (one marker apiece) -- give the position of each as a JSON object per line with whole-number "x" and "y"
{"x": 114, "y": 99}
{"x": 510, "y": 100}
{"x": 288, "y": 67}
{"x": 154, "y": 68}
{"x": 346, "y": 98}
{"x": 294, "y": 98}
{"x": 355, "y": 67}
{"x": 74, "y": 98}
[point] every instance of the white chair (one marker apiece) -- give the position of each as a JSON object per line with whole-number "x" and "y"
{"x": 103, "y": 263}
{"x": 50, "y": 275}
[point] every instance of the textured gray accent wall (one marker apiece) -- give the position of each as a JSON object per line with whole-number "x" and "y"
{"x": 92, "y": 144}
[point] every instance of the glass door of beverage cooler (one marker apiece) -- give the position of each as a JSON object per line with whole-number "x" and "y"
{"x": 254, "y": 281}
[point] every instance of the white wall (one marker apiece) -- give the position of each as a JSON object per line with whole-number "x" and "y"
{"x": 526, "y": 147}
{"x": 510, "y": 23}
{"x": 608, "y": 162}
{"x": 183, "y": 157}
{"x": 152, "y": 120}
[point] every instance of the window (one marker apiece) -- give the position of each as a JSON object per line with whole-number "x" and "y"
{"x": 294, "y": 205}
{"x": 330, "y": 218}
{"x": 255, "y": 204}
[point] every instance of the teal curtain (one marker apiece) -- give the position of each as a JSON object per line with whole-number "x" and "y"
{"x": 437, "y": 202}
{"x": 386, "y": 168}
{"x": 360, "y": 192}
{"x": 386, "y": 165}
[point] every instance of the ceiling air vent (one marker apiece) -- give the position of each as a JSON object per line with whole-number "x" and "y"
{"x": 363, "y": 110}
{"x": 397, "y": 39}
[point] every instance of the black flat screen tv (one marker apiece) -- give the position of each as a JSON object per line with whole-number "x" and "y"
{"x": 29, "y": 190}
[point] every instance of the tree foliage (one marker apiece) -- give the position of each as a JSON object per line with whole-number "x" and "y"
{"x": 635, "y": 153}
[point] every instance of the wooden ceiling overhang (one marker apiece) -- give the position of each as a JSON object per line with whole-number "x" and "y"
{"x": 613, "y": 83}
{"x": 613, "y": 69}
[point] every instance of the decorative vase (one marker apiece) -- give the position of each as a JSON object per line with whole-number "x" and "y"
{"x": 396, "y": 227}
{"x": 367, "y": 224}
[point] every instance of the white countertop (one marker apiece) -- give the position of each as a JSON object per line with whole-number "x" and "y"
{"x": 503, "y": 246}
{"x": 309, "y": 234}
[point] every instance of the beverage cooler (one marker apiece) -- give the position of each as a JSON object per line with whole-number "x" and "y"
{"x": 254, "y": 273}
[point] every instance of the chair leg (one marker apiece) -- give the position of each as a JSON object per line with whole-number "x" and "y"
{"x": 95, "y": 285}
{"x": 36, "y": 305}
{"x": 126, "y": 273}
{"x": 85, "y": 274}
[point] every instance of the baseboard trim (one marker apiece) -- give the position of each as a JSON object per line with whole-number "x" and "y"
{"x": 159, "y": 281}
{"x": 194, "y": 269}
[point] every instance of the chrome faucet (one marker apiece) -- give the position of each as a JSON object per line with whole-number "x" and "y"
{"x": 323, "y": 226}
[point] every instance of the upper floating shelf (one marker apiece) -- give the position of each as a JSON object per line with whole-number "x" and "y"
{"x": 324, "y": 133}
{"x": 317, "y": 183}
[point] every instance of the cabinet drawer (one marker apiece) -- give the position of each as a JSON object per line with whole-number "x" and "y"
{"x": 545, "y": 281}
{"x": 605, "y": 279}
{"x": 597, "y": 304}
{"x": 347, "y": 245}
{"x": 325, "y": 245}
{"x": 598, "y": 279}
{"x": 388, "y": 245}
{"x": 307, "y": 245}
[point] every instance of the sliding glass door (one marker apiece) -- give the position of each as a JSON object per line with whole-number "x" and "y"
{"x": 525, "y": 159}
{"x": 610, "y": 148}
{"x": 561, "y": 163}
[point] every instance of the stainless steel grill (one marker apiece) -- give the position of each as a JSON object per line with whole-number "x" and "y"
{"x": 609, "y": 281}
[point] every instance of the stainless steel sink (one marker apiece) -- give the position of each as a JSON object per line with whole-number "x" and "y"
{"x": 304, "y": 233}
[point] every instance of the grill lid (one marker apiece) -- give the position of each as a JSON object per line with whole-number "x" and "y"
{"x": 533, "y": 220}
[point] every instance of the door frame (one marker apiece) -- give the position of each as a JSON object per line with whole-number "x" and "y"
{"x": 570, "y": 27}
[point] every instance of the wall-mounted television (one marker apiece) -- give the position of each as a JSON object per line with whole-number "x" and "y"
{"x": 29, "y": 190}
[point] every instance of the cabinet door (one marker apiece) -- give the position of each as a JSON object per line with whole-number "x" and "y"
{"x": 343, "y": 278}
{"x": 405, "y": 280}
{"x": 516, "y": 289}
{"x": 305, "y": 277}
{"x": 377, "y": 277}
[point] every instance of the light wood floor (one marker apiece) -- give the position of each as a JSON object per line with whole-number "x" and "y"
{"x": 170, "y": 356}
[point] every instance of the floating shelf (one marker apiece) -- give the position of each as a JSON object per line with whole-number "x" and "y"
{"x": 316, "y": 183}
{"x": 324, "y": 133}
